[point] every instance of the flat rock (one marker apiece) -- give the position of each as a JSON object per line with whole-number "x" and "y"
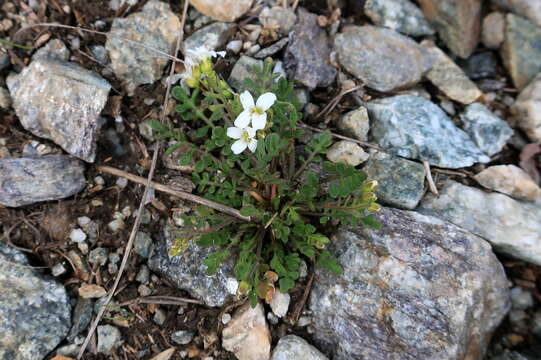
{"x": 527, "y": 109}
{"x": 511, "y": 226}
{"x": 488, "y": 131}
{"x": 130, "y": 39}
{"x": 62, "y": 102}
{"x": 346, "y": 152}
{"x": 449, "y": 78}
{"x": 307, "y": 56}
{"x": 419, "y": 289}
{"x": 35, "y": 311}
{"x": 400, "y": 15}
{"x": 382, "y": 58}
{"x": 530, "y": 9}
{"x": 212, "y": 37}
{"x": 187, "y": 272}
{"x": 292, "y": 347}
{"x": 26, "y": 181}
{"x": 243, "y": 70}
{"x": 223, "y": 10}
{"x": 458, "y": 22}
{"x": 400, "y": 181}
{"x": 355, "y": 123}
{"x": 510, "y": 180}
{"x": 413, "y": 127}
{"x": 247, "y": 334}
{"x": 521, "y": 50}
{"x": 492, "y": 34}
{"x": 273, "y": 49}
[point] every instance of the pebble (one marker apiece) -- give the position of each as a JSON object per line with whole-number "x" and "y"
{"x": 234, "y": 46}
{"x": 211, "y": 37}
{"x": 273, "y": 319}
{"x": 121, "y": 182}
{"x": 355, "y": 124}
{"x": 226, "y": 318}
{"x": 526, "y": 110}
{"x": 109, "y": 338}
{"x": 536, "y": 324}
{"x": 448, "y": 106}
{"x": 273, "y": 49}
{"x": 58, "y": 269}
{"x": 347, "y": 152}
{"x": 116, "y": 225}
{"x": 521, "y": 299}
{"x": 143, "y": 276}
{"x": 400, "y": 15}
{"x": 304, "y": 321}
{"x": 77, "y": 235}
{"x": 81, "y": 317}
{"x": 278, "y": 18}
{"x": 510, "y": 180}
{"x": 182, "y": 337}
{"x": 223, "y": 10}
{"x": 144, "y": 290}
{"x": 280, "y": 303}
{"x": 5, "y": 60}
{"x": 98, "y": 256}
{"x": 481, "y": 65}
{"x": 492, "y": 34}
{"x": 54, "y": 49}
{"x": 292, "y": 347}
{"x": 143, "y": 244}
{"x": 159, "y": 317}
{"x": 91, "y": 291}
{"x": 242, "y": 70}
{"x": 5, "y": 99}
{"x": 99, "y": 181}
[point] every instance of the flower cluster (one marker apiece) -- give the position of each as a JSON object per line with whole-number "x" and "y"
{"x": 254, "y": 114}
{"x": 198, "y": 62}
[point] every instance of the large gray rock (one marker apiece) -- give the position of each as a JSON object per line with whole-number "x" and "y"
{"x": 382, "y": 58}
{"x": 458, "y": 22}
{"x": 419, "y": 289}
{"x": 527, "y": 109}
{"x": 400, "y": 181}
{"x": 34, "y": 309}
{"x": 62, "y": 102}
{"x": 187, "y": 272}
{"x": 307, "y": 55}
{"x": 292, "y": 347}
{"x": 488, "y": 131}
{"x": 521, "y": 50}
{"x": 413, "y": 127}
{"x": 26, "y": 181}
{"x": 400, "y": 15}
{"x": 530, "y": 9}
{"x": 211, "y": 37}
{"x": 512, "y": 227}
{"x": 132, "y": 43}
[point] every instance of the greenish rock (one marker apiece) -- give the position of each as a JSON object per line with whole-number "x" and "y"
{"x": 400, "y": 15}
{"x": 211, "y": 37}
{"x": 521, "y": 50}
{"x": 488, "y": 131}
{"x": 400, "y": 181}
{"x": 242, "y": 70}
{"x": 415, "y": 128}
{"x": 383, "y": 59}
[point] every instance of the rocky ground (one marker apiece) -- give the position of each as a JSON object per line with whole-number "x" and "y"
{"x": 440, "y": 101}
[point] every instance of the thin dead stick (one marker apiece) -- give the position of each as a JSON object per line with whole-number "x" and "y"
{"x": 181, "y": 194}
{"x": 300, "y": 305}
{"x": 328, "y": 108}
{"x": 137, "y": 223}
{"x": 162, "y": 300}
{"x": 449, "y": 172}
{"x": 295, "y": 4}
{"x": 431, "y": 184}
{"x": 363, "y": 143}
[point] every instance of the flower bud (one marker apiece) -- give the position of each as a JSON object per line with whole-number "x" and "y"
{"x": 206, "y": 66}
{"x": 374, "y": 207}
{"x": 371, "y": 185}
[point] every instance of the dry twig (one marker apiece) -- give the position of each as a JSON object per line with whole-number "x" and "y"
{"x": 363, "y": 143}
{"x": 431, "y": 184}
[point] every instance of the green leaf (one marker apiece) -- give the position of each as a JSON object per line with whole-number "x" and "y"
{"x": 202, "y": 132}
{"x": 214, "y": 260}
{"x": 286, "y": 284}
{"x": 171, "y": 149}
{"x": 328, "y": 262}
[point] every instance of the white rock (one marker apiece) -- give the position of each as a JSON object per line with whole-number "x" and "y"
{"x": 77, "y": 235}
{"x": 280, "y": 303}
{"x": 347, "y": 152}
{"x": 234, "y": 46}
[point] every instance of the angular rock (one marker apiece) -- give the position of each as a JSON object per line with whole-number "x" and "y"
{"x": 481, "y": 65}
{"x": 91, "y": 291}
{"x": 182, "y": 337}
{"x": 530, "y": 9}
{"x": 510, "y": 180}
{"x": 527, "y": 109}
{"x": 415, "y": 128}
{"x": 62, "y": 102}
{"x": 109, "y": 338}
{"x": 278, "y": 18}
{"x": 82, "y": 315}
{"x": 449, "y": 78}
{"x": 143, "y": 244}
{"x": 400, "y": 181}
{"x": 35, "y": 312}
{"x": 419, "y": 289}
{"x": 187, "y": 272}
{"x": 273, "y": 49}
{"x": 130, "y": 38}
{"x": 492, "y": 34}
{"x": 247, "y": 334}
{"x": 242, "y": 70}
{"x": 26, "y": 181}
{"x": 307, "y": 55}
{"x": 521, "y": 50}
{"x": 382, "y": 58}
{"x": 458, "y": 22}
{"x": 212, "y": 37}
{"x": 512, "y": 227}
{"x": 280, "y": 303}
{"x": 356, "y": 123}
{"x": 223, "y": 10}
{"x": 488, "y": 131}
{"x": 294, "y": 347}
{"x": 54, "y": 49}
{"x": 347, "y": 152}
{"x": 400, "y": 15}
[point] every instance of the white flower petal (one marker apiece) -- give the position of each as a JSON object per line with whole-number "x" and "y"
{"x": 221, "y": 53}
{"x": 252, "y": 145}
{"x": 243, "y": 119}
{"x": 259, "y": 121}
{"x": 238, "y": 147}
{"x": 266, "y": 100}
{"x": 251, "y": 132}
{"x": 247, "y": 100}
{"x": 234, "y": 132}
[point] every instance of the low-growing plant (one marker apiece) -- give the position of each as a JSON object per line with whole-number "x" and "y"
{"x": 246, "y": 153}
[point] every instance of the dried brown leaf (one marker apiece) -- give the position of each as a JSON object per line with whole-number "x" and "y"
{"x": 164, "y": 355}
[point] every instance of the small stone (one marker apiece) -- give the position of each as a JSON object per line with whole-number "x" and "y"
{"x": 449, "y": 78}
{"x": 159, "y": 317}
{"x": 121, "y": 182}
{"x": 77, "y": 235}
{"x": 223, "y": 10}
{"x": 488, "y": 132}
{"x": 99, "y": 181}
{"x": 144, "y": 290}
{"x": 4, "y": 60}
{"x": 307, "y": 56}
{"x": 82, "y": 315}
{"x": 448, "y": 106}
{"x": 536, "y": 324}
{"x": 521, "y": 299}
{"x": 226, "y": 318}
{"x": 280, "y": 303}
{"x": 347, "y": 152}
{"x": 273, "y": 49}
{"x": 211, "y": 37}
{"x": 492, "y": 34}
{"x": 304, "y": 321}
{"x": 400, "y": 15}
{"x": 58, "y": 269}
{"x": 234, "y": 46}
{"x": 278, "y": 18}
{"x": 109, "y": 338}
{"x": 273, "y": 319}
{"x": 54, "y": 49}
{"x": 5, "y": 99}
{"x": 521, "y": 52}
{"x": 143, "y": 276}
{"x": 303, "y": 269}
{"x": 400, "y": 181}
{"x": 510, "y": 180}
{"x": 98, "y": 256}
{"x": 116, "y": 225}
{"x": 182, "y": 337}
{"x": 303, "y": 96}
{"x": 527, "y": 109}
{"x": 83, "y": 221}
{"x": 100, "y": 53}
{"x": 481, "y": 65}
{"x": 242, "y": 70}
{"x": 355, "y": 124}
{"x": 292, "y": 347}
{"x": 247, "y": 335}
{"x": 143, "y": 244}
{"x": 92, "y": 291}
{"x": 253, "y": 50}
{"x": 383, "y": 59}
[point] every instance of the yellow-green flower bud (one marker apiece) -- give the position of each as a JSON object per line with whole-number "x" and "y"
{"x": 374, "y": 207}
{"x": 206, "y": 66}
{"x": 371, "y": 185}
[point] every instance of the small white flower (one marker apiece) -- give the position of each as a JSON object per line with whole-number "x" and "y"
{"x": 256, "y": 113}
{"x": 246, "y": 139}
{"x": 201, "y": 53}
